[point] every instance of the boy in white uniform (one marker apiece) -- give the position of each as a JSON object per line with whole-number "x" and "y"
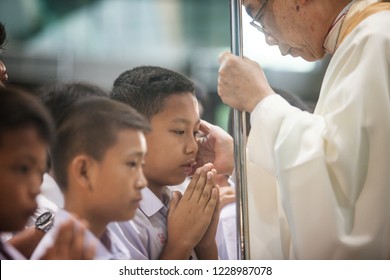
{"x": 25, "y": 132}
{"x": 58, "y": 99}
{"x": 97, "y": 162}
{"x": 167, "y": 99}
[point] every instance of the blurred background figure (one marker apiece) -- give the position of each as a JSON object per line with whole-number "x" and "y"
{"x": 104, "y": 38}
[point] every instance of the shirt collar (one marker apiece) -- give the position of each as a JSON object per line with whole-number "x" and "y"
{"x": 9, "y": 252}
{"x": 330, "y": 43}
{"x": 151, "y": 204}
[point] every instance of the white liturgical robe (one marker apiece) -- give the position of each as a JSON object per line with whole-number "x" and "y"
{"x": 320, "y": 183}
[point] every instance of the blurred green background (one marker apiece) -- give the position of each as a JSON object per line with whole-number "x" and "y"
{"x": 96, "y": 40}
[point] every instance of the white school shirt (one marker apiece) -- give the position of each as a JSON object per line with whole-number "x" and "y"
{"x": 226, "y": 236}
{"x": 50, "y": 199}
{"x": 331, "y": 192}
{"x": 8, "y": 252}
{"x": 51, "y": 190}
{"x": 146, "y": 234}
{"x": 111, "y": 249}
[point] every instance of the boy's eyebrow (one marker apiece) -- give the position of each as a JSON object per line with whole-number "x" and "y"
{"x": 28, "y": 157}
{"x": 33, "y": 160}
{"x": 136, "y": 153}
{"x": 183, "y": 120}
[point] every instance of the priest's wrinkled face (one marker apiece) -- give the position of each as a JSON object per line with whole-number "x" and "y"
{"x": 296, "y": 28}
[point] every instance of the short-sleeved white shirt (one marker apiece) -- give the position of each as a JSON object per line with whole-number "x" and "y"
{"x": 146, "y": 234}
{"x": 108, "y": 247}
{"x": 8, "y": 252}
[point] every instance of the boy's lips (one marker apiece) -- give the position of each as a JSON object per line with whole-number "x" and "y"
{"x": 136, "y": 200}
{"x": 135, "y": 203}
{"x": 189, "y": 167}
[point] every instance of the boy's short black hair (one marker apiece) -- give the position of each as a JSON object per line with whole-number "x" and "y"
{"x": 91, "y": 127}
{"x": 19, "y": 109}
{"x": 60, "y": 97}
{"x": 146, "y": 88}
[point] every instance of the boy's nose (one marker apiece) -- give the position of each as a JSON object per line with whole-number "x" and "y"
{"x": 191, "y": 146}
{"x": 142, "y": 181}
{"x": 35, "y": 184}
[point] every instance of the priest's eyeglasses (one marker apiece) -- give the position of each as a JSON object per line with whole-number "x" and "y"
{"x": 257, "y": 19}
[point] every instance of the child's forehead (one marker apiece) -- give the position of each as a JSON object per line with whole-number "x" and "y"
{"x": 129, "y": 141}
{"x": 20, "y": 136}
{"x": 174, "y": 101}
{"x": 23, "y": 143}
{"x": 179, "y": 106}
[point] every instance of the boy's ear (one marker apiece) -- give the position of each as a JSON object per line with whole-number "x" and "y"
{"x": 81, "y": 171}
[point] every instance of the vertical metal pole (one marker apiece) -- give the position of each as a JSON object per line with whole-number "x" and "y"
{"x": 239, "y": 135}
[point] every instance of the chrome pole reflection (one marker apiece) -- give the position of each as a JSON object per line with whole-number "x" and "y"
{"x": 239, "y": 135}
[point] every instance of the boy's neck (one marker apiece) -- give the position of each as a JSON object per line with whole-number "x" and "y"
{"x": 95, "y": 225}
{"x": 157, "y": 189}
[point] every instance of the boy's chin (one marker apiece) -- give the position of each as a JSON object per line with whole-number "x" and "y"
{"x": 126, "y": 216}
{"x": 179, "y": 180}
